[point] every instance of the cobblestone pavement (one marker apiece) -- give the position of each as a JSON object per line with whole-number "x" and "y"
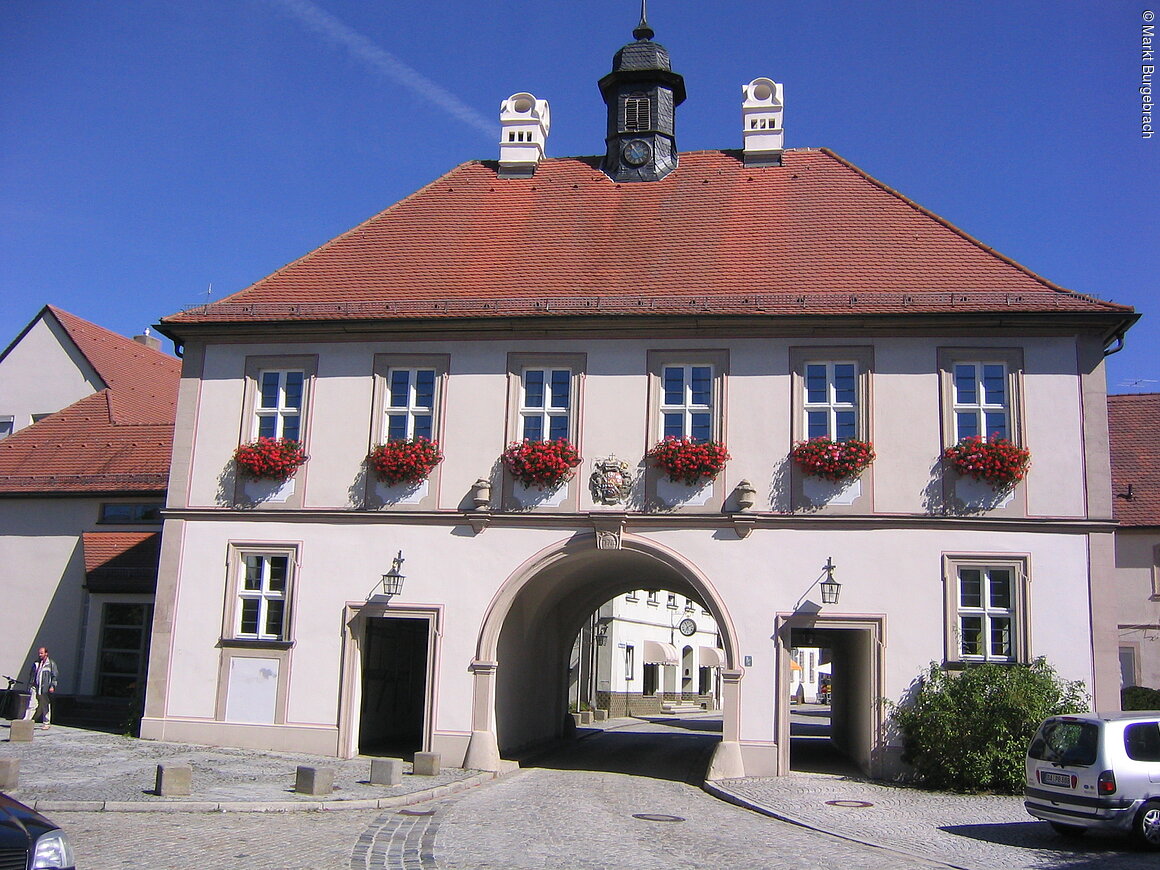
{"x": 622, "y": 798}
{"x": 74, "y": 769}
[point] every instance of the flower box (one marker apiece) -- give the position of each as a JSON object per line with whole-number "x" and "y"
{"x": 408, "y": 461}
{"x": 541, "y": 464}
{"x": 997, "y": 461}
{"x": 832, "y": 460}
{"x": 270, "y": 458}
{"x": 689, "y": 462}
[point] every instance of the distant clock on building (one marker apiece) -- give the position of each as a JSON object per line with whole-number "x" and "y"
{"x": 688, "y": 627}
{"x": 636, "y": 152}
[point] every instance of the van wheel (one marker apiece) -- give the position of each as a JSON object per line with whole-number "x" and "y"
{"x": 1146, "y": 827}
{"x": 1068, "y": 830}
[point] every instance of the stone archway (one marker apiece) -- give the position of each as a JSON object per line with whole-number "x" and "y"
{"x": 531, "y": 622}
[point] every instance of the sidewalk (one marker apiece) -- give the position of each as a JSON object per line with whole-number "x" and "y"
{"x": 66, "y": 769}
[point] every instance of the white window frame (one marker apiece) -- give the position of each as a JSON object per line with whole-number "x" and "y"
{"x": 281, "y": 411}
{"x": 1016, "y": 611}
{"x": 980, "y": 408}
{"x": 831, "y": 406}
{"x": 411, "y": 410}
{"x": 629, "y": 662}
{"x": 1012, "y": 361}
{"x": 7, "y": 425}
{"x": 687, "y": 408}
{"x": 546, "y": 413}
{"x": 263, "y": 595}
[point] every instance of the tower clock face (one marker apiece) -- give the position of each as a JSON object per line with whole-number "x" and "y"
{"x": 636, "y": 152}
{"x": 688, "y": 627}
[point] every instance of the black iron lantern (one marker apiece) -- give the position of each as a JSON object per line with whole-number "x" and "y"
{"x": 831, "y": 588}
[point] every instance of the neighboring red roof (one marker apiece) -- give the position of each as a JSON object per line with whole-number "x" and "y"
{"x": 121, "y": 561}
{"x": 813, "y": 236}
{"x": 121, "y": 550}
{"x": 142, "y": 381}
{"x": 1134, "y": 424}
{"x": 119, "y": 438}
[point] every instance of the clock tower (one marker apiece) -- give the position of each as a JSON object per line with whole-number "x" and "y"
{"x": 642, "y": 93}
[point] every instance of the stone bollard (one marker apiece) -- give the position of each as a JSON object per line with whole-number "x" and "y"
{"x": 9, "y": 773}
{"x": 386, "y": 771}
{"x": 314, "y": 780}
{"x": 426, "y": 764}
{"x": 600, "y": 715}
{"x": 585, "y": 717}
{"x": 21, "y": 731}
{"x": 173, "y": 780}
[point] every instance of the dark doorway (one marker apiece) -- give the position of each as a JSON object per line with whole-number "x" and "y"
{"x": 819, "y": 709}
{"x": 394, "y": 686}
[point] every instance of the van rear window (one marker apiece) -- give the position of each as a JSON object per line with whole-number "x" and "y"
{"x": 1066, "y": 742}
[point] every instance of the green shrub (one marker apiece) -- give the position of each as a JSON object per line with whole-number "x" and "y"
{"x": 968, "y": 731}
{"x": 1139, "y": 698}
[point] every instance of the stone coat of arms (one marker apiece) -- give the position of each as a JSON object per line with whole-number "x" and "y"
{"x": 610, "y": 481}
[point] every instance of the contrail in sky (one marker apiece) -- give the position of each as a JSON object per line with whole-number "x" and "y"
{"x": 362, "y": 49}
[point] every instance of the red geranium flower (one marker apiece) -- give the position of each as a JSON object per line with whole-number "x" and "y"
{"x": 542, "y": 464}
{"x": 833, "y": 460}
{"x": 688, "y": 461}
{"x": 408, "y": 460}
{"x": 996, "y": 460}
{"x": 270, "y": 458}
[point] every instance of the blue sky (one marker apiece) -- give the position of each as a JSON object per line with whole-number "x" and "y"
{"x": 155, "y": 154}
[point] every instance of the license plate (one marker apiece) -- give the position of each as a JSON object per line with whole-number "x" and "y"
{"x": 1050, "y": 777}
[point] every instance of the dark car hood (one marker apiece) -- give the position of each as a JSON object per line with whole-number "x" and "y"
{"x": 20, "y": 825}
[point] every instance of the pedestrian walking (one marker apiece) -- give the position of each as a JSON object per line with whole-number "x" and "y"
{"x": 42, "y": 677}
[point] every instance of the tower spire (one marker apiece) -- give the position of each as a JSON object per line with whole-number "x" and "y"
{"x": 643, "y": 31}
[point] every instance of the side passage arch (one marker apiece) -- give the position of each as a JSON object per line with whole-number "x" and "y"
{"x": 530, "y": 624}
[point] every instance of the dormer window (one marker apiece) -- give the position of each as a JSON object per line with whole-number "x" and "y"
{"x": 637, "y": 114}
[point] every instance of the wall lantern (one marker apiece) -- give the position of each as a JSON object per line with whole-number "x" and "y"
{"x": 392, "y": 582}
{"x": 831, "y": 588}
{"x": 602, "y": 634}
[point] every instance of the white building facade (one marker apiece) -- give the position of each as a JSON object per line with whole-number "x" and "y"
{"x": 752, "y": 302}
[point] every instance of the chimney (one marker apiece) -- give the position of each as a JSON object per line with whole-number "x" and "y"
{"x": 524, "y": 123}
{"x": 761, "y": 123}
{"x": 148, "y": 339}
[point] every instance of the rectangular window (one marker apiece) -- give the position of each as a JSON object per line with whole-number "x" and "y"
{"x": 981, "y": 400}
{"x": 545, "y": 404}
{"x": 130, "y": 513}
{"x": 672, "y": 601}
{"x": 7, "y": 423}
{"x": 687, "y": 402}
{"x": 652, "y": 599}
{"x": 278, "y": 410}
{"x": 263, "y": 594}
{"x": 986, "y": 613}
{"x": 409, "y": 407}
{"x": 831, "y": 400}
{"x": 629, "y": 662}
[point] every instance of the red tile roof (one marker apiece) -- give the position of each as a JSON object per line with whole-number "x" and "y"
{"x": 1134, "y": 423}
{"x": 813, "y": 236}
{"x": 118, "y": 439}
{"x": 142, "y": 381}
{"x": 121, "y": 550}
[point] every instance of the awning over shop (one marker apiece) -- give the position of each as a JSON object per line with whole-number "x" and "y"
{"x": 711, "y": 657}
{"x": 656, "y": 653}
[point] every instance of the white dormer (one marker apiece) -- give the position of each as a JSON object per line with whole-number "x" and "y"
{"x": 524, "y": 123}
{"x": 761, "y": 116}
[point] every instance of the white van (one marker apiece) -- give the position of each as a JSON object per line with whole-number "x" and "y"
{"x": 1097, "y": 770}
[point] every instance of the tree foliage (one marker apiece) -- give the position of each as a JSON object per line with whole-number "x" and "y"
{"x": 968, "y": 731}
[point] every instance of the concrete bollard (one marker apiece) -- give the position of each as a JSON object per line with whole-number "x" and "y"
{"x": 173, "y": 780}
{"x": 21, "y": 731}
{"x": 9, "y": 773}
{"x": 600, "y": 715}
{"x": 314, "y": 780}
{"x": 585, "y": 717}
{"x": 386, "y": 771}
{"x": 427, "y": 764}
